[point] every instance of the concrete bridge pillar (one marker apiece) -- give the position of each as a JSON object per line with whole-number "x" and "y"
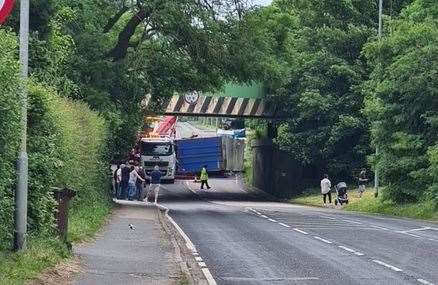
{"x": 263, "y": 152}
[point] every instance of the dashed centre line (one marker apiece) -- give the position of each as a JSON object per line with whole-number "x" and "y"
{"x": 351, "y": 250}
{"x": 387, "y": 265}
{"x": 322, "y": 239}
{"x": 300, "y": 231}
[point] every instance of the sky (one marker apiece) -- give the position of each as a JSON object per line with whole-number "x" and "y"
{"x": 262, "y": 2}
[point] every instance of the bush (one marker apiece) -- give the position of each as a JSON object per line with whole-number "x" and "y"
{"x": 86, "y": 166}
{"x": 67, "y": 145}
{"x": 9, "y": 130}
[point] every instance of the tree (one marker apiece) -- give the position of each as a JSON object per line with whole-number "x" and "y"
{"x": 402, "y": 103}
{"x": 313, "y": 69}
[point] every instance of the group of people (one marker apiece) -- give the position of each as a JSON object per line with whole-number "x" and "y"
{"x": 326, "y": 186}
{"x": 130, "y": 179}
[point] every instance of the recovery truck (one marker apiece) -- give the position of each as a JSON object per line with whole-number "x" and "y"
{"x": 157, "y": 148}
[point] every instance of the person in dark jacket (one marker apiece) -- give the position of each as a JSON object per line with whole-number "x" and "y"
{"x": 124, "y": 183}
{"x": 140, "y": 183}
{"x": 116, "y": 182}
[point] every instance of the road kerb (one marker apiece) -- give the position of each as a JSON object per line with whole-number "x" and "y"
{"x": 189, "y": 244}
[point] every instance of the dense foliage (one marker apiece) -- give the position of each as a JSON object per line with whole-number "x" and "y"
{"x": 309, "y": 56}
{"x": 113, "y": 58}
{"x": 66, "y": 146}
{"x": 9, "y": 126}
{"x": 403, "y": 103}
{"x": 343, "y": 92}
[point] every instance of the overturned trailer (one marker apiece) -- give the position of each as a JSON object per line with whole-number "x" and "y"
{"x": 219, "y": 154}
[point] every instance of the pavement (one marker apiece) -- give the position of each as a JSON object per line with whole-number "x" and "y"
{"x": 244, "y": 239}
{"x": 121, "y": 255}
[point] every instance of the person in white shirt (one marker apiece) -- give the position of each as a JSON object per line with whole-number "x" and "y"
{"x": 133, "y": 176}
{"x": 326, "y": 186}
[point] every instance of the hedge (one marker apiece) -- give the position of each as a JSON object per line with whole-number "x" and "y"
{"x": 66, "y": 146}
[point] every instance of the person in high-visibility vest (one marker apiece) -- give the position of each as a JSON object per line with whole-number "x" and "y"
{"x": 204, "y": 177}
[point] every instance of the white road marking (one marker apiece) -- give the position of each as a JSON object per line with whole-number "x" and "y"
{"x": 323, "y": 240}
{"x": 422, "y": 281}
{"x": 300, "y": 231}
{"x": 263, "y": 216}
{"x": 417, "y": 230}
{"x": 387, "y": 265}
{"x": 381, "y": 228}
{"x": 272, "y": 220}
{"x": 351, "y": 250}
{"x": 198, "y": 258}
{"x": 190, "y": 246}
{"x": 353, "y": 222}
{"x": 209, "y": 277}
{"x": 327, "y": 217}
{"x": 412, "y": 235}
{"x": 284, "y": 225}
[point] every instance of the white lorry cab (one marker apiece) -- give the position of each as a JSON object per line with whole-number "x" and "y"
{"x": 159, "y": 152}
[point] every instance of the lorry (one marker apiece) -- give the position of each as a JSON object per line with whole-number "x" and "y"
{"x": 155, "y": 151}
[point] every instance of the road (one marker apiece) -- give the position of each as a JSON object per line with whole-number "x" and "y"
{"x": 186, "y": 130}
{"x": 243, "y": 239}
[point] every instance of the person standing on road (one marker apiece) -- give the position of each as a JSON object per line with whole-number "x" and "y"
{"x": 204, "y": 177}
{"x": 326, "y": 186}
{"x": 133, "y": 177}
{"x": 362, "y": 181}
{"x": 155, "y": 184}
{"x": 139, "y": 183}
{"x": 124, "y": 181}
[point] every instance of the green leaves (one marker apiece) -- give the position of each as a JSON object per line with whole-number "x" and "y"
{"x": 406, "y": 102}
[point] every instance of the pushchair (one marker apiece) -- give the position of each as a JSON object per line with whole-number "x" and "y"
{"x": 341, "y": 191}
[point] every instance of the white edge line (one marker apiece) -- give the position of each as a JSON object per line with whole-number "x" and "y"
{"x": 412, "y": 235}
{"x": 381, "y": 228}
{"x": 422, "y": 281}
{"x": 300, "y": 231}
{"x": 322, "y": 239}
{"x": 353, "y": 222}
{"x": 272, "y": 220}
{"x": 387, "y": 265}
{"x": 263, "y": 216}
{"x": 190, "y": 246}
{"x": 284, "y": 225}
{"x": 202, "y": 264}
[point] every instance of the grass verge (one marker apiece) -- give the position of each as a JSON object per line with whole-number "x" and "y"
{"x": 42, "y": 252}
{"x": 369, "y": 204}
